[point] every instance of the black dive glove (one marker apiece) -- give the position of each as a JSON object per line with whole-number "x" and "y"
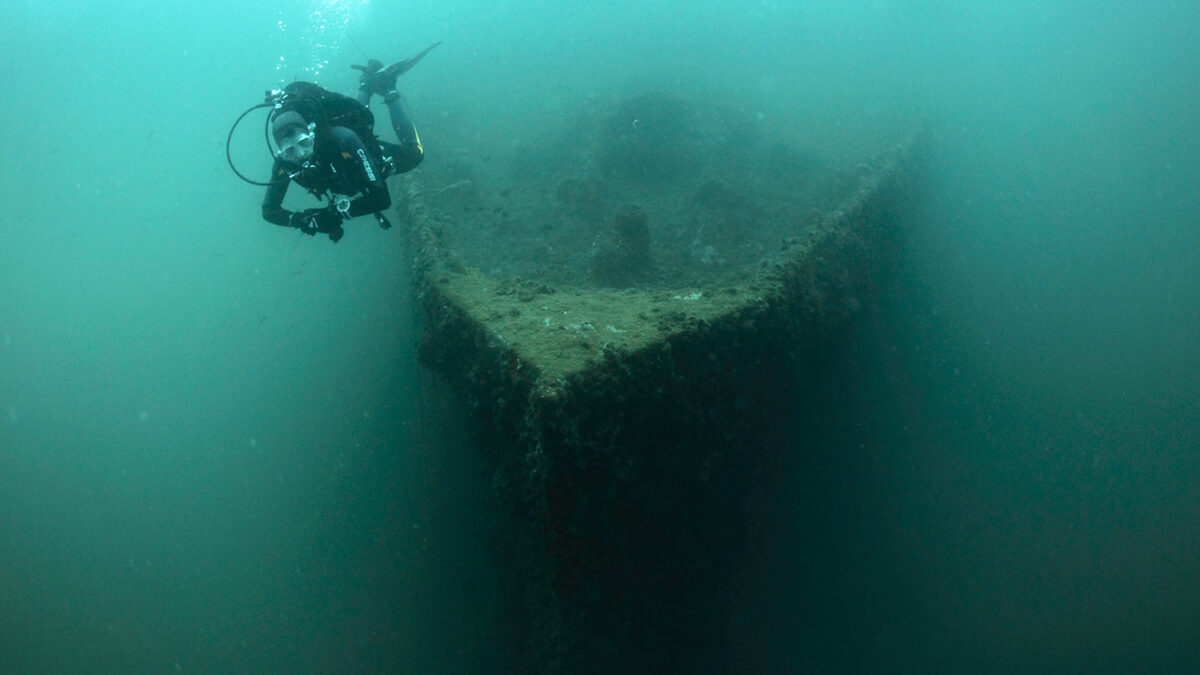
{"x": 311, "y": 221}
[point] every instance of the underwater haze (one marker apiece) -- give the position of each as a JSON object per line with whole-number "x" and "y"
{"x": 218, "y": 453}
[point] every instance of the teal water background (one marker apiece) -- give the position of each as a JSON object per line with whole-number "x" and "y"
{"x": 218, "y": 454}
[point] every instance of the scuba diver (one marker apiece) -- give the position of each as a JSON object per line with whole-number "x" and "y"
{"x": 326, "y": 143}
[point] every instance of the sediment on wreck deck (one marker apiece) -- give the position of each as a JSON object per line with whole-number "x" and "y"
{"x": 625, "y": 426}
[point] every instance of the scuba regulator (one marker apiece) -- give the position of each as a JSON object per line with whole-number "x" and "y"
{"x": 274, "y": 99}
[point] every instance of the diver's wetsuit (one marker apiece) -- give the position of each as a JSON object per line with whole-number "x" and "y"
{"x": 344, "y": 165}
{"x": 408, "y": 153}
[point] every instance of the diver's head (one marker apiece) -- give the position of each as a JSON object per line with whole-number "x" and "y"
{"x": 294, "y": 137}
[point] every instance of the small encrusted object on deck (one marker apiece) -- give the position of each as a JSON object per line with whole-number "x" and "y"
{"x": 620, "y": 254}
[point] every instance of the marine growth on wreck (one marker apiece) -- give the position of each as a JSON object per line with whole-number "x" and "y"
{"x": 623, "y": 310}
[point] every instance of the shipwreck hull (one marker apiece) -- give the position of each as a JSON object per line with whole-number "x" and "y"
{"x": 627, "y": 424}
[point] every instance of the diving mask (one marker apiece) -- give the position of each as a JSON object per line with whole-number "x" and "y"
{"x": 297, "y": 146}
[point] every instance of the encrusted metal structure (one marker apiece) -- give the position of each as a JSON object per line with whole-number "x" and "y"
{"x": 624, "y": 411}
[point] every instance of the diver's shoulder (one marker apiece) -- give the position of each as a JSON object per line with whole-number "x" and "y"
{"x": 346, "y": 138}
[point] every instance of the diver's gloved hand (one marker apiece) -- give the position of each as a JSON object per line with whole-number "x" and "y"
{"x": 366, "y": 81}
{"x": 326, "y": 221}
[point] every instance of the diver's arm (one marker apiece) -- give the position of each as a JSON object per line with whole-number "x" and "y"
{"x": 272, "y": 206}
{"x": 375, "y": 196}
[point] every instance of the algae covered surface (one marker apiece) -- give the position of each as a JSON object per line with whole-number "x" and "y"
{"x": 643, "y": 218}
{"x": 562, "y": 331}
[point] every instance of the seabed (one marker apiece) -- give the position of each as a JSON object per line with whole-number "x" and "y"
{"x": 625, "y": 315}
